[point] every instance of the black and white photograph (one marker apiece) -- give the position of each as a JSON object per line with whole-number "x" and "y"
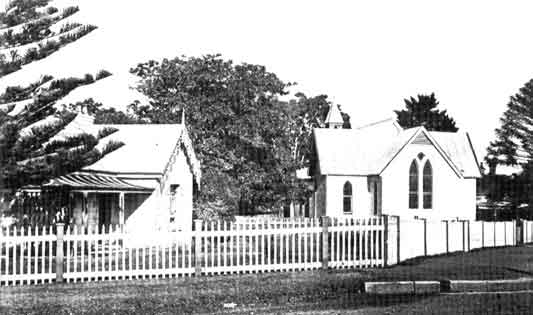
{"x": 266, "y": 157}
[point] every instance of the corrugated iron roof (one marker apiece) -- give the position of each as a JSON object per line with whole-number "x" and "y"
{"x": 85, "y": 181}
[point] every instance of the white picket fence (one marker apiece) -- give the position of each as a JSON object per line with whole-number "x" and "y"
{"x": 528, "y": 231}
{"x": 420, "y": 237}
{"x": 74, "y": 254}
{"x": 27, "y": 255}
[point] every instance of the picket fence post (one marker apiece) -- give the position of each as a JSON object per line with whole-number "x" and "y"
{"x": 325, "y": 241}
{"x": 425, "y": 236}
{"x": 197, "y": 247}
{"x": 59, "y": 252}
{"x": 447, "y": 237}
{"x": 385, "y": 240}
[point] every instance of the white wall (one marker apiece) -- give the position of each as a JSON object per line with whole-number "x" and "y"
{"x": 154, "y": 213}
{"x": 361, "y": 196}
{"x": 452, "y": 197}
{"x": 181, "y": 175}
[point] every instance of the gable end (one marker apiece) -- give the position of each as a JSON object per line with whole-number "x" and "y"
{"x": 421, "y": 138}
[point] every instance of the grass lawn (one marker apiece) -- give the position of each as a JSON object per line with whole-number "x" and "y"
{"x": 289, "y": 291}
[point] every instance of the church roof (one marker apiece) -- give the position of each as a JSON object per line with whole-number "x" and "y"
{"x": 368, "y": 150}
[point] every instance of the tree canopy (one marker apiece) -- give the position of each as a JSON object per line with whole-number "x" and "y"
{"x": 423, "y": 111}
{"x": 249, "y": 142}
{"x": 514, "y": 146}
{"x": 514, "y": 138}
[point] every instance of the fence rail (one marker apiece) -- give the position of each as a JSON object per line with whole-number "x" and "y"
{"x": 76, "y": 254}
{"x": 73, "y": 254}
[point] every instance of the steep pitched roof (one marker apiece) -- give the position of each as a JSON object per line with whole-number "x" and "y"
{"x": 334, "y": 116}
{"x": 458, "y": 146}
{"x": 147, "y": 148}
{"x": 368, "y": 150}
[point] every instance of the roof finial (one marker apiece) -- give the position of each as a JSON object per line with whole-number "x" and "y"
{"x": 183, "y": 116}
{"x": 334, "y": 119}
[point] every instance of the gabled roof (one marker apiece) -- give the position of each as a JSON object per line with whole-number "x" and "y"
{"x": 370, "y": 149}
{"x": 147, "y": 148}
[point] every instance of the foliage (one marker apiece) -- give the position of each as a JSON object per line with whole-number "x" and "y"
{"x": 70, "y": 142}
{"x": 104, "y": 115}
{"x": 102, "y": 74}
{"x": 21, "y": 11}
{"x": 68, "y": 27}
{"x": 514, "y": 138}
{"x": 514, "y": 146}
{"x": 18, "y": 93}
{"x": 31, "y": 32}
{"x": 51, "y": 10}
{"x": 69, "y": 11}
{"x": 423, "y": 112}
{"x": 106, "y": 131}
{"x": 243, "y": 135}
{"x": 111, "y": 146}
{"x": 68, "y": 84}
{"x": 43, "y": 50}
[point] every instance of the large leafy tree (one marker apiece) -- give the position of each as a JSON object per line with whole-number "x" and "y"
{"x": 236, "y": 123}
{"x": 249, "y": 142}
{"x": 423, "y": 111}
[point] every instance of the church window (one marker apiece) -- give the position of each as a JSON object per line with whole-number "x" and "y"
{"x": 347, "y": 198}
{"x": 427, "y": 186}
{"x": 413, "y": 185}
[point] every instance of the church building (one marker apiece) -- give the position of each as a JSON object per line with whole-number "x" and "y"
{"x": 383, "y": 169}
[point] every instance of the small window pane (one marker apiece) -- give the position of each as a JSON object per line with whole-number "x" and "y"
{"x": 413, "y": 200}
{"x": 347, "y": 204}
{"x": 427, "y": 201}
{"x": 347, "y": 188}
{"x": 427, "y": 186}
{"x": 413, "y": 185}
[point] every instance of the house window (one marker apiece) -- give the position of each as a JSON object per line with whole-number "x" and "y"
{"x": 427, "y": 186}
{"x": 347, "y": 198}
{"x": 413, "y": 185}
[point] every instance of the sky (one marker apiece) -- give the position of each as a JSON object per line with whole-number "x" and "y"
{"x": 365, "y": 55}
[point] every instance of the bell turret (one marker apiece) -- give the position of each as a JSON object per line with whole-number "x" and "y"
{"x": 334, "y": 118}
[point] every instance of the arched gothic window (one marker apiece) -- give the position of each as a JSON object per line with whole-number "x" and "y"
{"x": 427, "y": 186}
{"x": 413, "y": 185}
{"x": 347, "y": 198}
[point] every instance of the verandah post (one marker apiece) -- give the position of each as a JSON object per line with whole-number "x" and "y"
{"x": 197, "y": 247}
{"x": 325, "y": 241}
{"x": 59, "y": 252}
